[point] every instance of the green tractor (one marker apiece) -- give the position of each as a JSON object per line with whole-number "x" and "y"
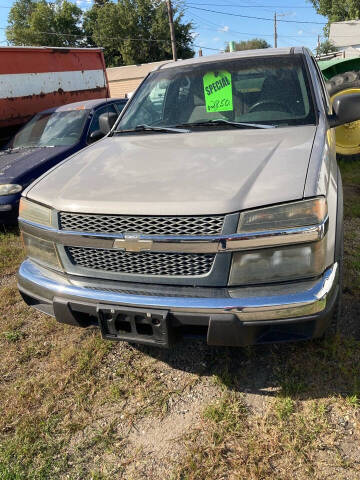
{"x": 343, "y": 76}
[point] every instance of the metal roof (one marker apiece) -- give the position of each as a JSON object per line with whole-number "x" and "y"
{"x": 61, "y": 49}
{"x": 130, "y": 72}
{"x": 345, "y": 34}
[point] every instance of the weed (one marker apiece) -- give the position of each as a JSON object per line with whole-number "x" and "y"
{"x": 285, "y": 406}
{"x": 13, "y": 336}
{"x": 353, "y": 400}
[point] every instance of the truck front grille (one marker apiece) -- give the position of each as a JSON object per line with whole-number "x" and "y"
{"x": 149, "y": 225}
{"x": 143, "y": 263}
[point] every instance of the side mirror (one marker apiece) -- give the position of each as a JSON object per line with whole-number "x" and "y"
{"x": 106, "y": 122}
{"x": 95, "y": 136}
{"x": 346, "y": 109}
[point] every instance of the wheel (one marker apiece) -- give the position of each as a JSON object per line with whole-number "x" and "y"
{"x": 347, "y": 136}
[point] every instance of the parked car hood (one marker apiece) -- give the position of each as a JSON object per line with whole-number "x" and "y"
{"x": 203, "y": 172}
{"x": 14, "y": 164}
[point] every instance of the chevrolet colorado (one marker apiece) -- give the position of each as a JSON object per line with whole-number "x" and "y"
{"x": 213, "y": 207}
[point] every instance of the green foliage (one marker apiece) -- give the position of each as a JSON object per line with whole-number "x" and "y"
{"x": 338, "y": 11}
{"x": 117, "y": 27}
{"x": 325, "y": 47}
{"x": 40, "y": 23}
{"x": 253, "y": 44}
{"x": 130, "y": 31}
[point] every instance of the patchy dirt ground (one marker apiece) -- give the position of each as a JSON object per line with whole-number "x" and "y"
{"x": 76, "y": 407}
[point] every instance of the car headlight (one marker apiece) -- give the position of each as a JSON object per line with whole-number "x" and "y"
{"x": 10, "y": 188}
{"x": 288, "y": 215}
{"x": 34, "y": 212}
{"x": 266, "y": 265}
{"x": 42, "y": 251}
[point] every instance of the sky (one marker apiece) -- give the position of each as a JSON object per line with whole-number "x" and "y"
{"x": 298, "y": 23}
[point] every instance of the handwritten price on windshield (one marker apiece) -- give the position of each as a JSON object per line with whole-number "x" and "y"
{"x": 217, "y": 105}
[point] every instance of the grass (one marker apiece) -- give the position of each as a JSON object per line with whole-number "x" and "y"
{"x": 70, "y": 398}
{"x": 11, "y": 251}
{"x": 72, "y": 404}
{"x": 300, "y": 427}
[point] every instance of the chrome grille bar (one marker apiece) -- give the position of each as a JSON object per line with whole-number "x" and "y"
{"x": 209, "y": 244}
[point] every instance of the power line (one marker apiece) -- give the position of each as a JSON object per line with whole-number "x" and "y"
{"x": 212, "y": 24}
{"x": 256, "y": 18}
{"x": 208, "y": 48}
{"x": 246, "y": 6}
{"x": 59, "y": 34}
{"x": 116, "y": 38}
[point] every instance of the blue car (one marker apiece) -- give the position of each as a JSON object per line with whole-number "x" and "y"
{"x": 47, "y": 139}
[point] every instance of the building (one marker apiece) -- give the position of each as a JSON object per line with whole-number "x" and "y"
{"x": 345, "y": 35}
{"x": 124, "y": 80}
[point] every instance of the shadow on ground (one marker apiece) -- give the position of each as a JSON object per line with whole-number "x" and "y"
{"x": 313, "y": 369}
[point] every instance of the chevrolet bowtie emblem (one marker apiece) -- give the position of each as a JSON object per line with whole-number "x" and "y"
{"x": 132, "y": 243}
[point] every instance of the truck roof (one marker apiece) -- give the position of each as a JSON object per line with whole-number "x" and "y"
{"x": 264, "y": 52}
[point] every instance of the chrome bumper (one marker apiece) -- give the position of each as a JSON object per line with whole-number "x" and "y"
{"x": 248, "y": 304}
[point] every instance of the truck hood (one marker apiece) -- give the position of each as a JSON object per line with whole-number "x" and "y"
{"x": 18, "y": 163}
{"x": 203, "y": 172}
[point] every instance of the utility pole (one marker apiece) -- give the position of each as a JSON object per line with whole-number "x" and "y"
{"x": 172, "y": 30}
{"x": 275, "y": 31}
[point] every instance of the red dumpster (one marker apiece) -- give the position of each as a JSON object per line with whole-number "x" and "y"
{"x": 36, "y": 78}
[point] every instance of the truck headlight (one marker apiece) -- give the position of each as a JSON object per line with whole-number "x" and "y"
{"x": 277, "y": 264}
{"x": 10, "y": 188}
{"x": 34, "y": 212}
{"x": 287, "y": 215}
{"x": 42, "y": 251}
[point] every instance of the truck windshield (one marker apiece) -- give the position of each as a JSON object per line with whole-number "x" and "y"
{"x": 51, "y": 130}
{"x": 259, "y": 90}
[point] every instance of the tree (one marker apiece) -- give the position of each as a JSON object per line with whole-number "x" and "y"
{"x": 136, "y": 31}
{"x": 131, "y": 31}
{"x": 253, "y": 44}
{"x": 40, "y": 23}
{"x": 337, "y": 11}
{"x": 325, "y": 47}
{"x": 18, "y": 31}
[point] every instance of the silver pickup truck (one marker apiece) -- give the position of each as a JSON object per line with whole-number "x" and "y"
{"x": 214, "y": 207}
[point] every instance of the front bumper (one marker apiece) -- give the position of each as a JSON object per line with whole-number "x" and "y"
{"x": 233, "y": 317}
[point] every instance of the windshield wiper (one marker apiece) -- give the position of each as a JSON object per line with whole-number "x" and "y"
{"x": 221, "y": 121}
{"x": 144, "y": 128}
